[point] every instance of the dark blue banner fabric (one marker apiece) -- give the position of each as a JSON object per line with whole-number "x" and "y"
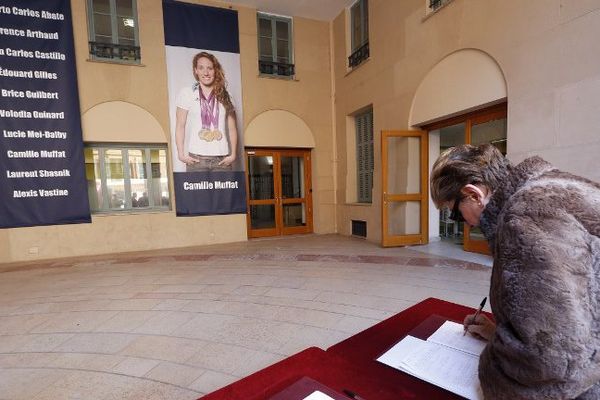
{"x": 200, "y": 27}
{"x": 202, "y": 43}
{"x": 211, "y": 189}
{"x": 42, "y": 174}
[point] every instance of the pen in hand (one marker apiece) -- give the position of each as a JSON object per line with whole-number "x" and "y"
{"x": 352, "y": 395}
{"x": 477, "y": 313}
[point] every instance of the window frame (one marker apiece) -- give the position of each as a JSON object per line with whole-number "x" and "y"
{"x": 124, "y": 148}
{"x": 273, "y": 19}
{"x": 367, "y": 116}
{"x": 363, "y": 7}
{"x": 358, "y": 50}
{"x": 114, "y": 27}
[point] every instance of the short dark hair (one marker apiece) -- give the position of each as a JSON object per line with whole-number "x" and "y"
{"x": 466, "y": 164}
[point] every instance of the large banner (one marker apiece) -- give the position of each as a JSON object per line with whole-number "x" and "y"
{"x": 42, "y": 175}
{"x": 205, "y": 106}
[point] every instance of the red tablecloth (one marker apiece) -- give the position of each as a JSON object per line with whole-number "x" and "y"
{"x": 366, "y": 346}
{"x": 351, "y": 363}
{"x": 329, "y": 369}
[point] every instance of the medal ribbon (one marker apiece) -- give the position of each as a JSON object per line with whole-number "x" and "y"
{"x": 209, "y": 110}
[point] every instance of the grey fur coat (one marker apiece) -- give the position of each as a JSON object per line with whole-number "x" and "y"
{"x": 543, "y": 226}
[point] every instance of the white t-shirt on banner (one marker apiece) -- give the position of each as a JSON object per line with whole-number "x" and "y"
{"x": 189, "y": 99}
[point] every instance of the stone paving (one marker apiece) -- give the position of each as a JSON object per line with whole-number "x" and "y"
{"x": 180, "y": 323}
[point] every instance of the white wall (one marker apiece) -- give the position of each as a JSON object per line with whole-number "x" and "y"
{"x": 434, "y": 215}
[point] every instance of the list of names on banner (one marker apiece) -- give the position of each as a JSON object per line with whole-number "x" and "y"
{"x": 41, "y": 142}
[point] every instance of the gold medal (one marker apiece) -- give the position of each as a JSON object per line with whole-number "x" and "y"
{"x": 205, "y": 134}
{"x": 209, "y": 136}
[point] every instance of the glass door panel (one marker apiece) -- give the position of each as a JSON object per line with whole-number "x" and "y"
{"x": 262, "y": 216}
{"x": 404, "y": 218}
{"x": 404, "y": 165}
{"x": 493, "y": 132}
{"x": 485, "y": 128}
{"x": 294, "y": 215}
{"x": 292, "y": 177}
{"x": 450, "y": 136}
{"x": 262, "y": 196}
{"x": 261, "y": 179}
{"x": 405, "y": 200}
{"x": 296, "y": 199}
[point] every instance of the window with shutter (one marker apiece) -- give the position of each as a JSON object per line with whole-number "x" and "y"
{"x": 364, "y": 156}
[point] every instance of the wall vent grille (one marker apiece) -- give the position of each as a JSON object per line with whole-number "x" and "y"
{"x": 359, "y": 228}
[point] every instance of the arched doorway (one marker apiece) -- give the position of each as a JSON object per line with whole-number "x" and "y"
{"x": 463, "y": 99}
{"x": 483, "y": 126}
{"x": 279, "y": 178}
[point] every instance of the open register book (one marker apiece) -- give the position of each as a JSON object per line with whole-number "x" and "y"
{"x": 446, "y": 359}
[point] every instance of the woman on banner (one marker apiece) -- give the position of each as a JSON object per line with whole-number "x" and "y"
{"x": 543, "y": 227}
{"x": 205, "y": 128}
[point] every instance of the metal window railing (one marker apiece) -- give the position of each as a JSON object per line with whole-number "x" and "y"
{"x": 115, "y": 51}
{"x": 360, "y": 55}
{"x": 435, "y": 4}
{"x": 275, "y": 68}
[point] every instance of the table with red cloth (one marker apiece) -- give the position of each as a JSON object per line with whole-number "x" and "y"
{"x": 351, "y": 364}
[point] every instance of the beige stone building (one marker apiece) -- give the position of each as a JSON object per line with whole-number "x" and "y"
{"x": 522, "y": 74}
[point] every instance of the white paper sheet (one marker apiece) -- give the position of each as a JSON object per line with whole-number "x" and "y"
{"x": 317, "y": 395}
{"x": 451, "y": 334}
{"x": 441, "y": 365}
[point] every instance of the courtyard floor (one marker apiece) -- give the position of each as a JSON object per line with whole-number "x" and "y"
{"x": 177, "y": 324}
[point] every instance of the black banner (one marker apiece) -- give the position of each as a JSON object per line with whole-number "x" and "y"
{"x": 42, "y": 174}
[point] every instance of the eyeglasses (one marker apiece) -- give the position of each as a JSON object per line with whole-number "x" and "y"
{"x": 456, "y": 215}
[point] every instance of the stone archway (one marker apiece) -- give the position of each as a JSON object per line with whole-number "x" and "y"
{"x": 120, "y": 121}
{"x": 465, "y": 80}
{"x": 278, "y": 128}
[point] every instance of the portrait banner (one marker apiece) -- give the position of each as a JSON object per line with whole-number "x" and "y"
{"x": 205, "y": 108}
{"x": 42, "y": 171}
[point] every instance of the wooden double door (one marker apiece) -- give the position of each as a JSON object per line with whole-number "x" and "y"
{"x": 279, "y": 192}
{"x": 484, "y": 126}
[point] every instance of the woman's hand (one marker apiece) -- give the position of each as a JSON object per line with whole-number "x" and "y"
{"x": 227, "y": 161}
{"x": 187, "y": 159}
{"x": 482, "y": 327}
